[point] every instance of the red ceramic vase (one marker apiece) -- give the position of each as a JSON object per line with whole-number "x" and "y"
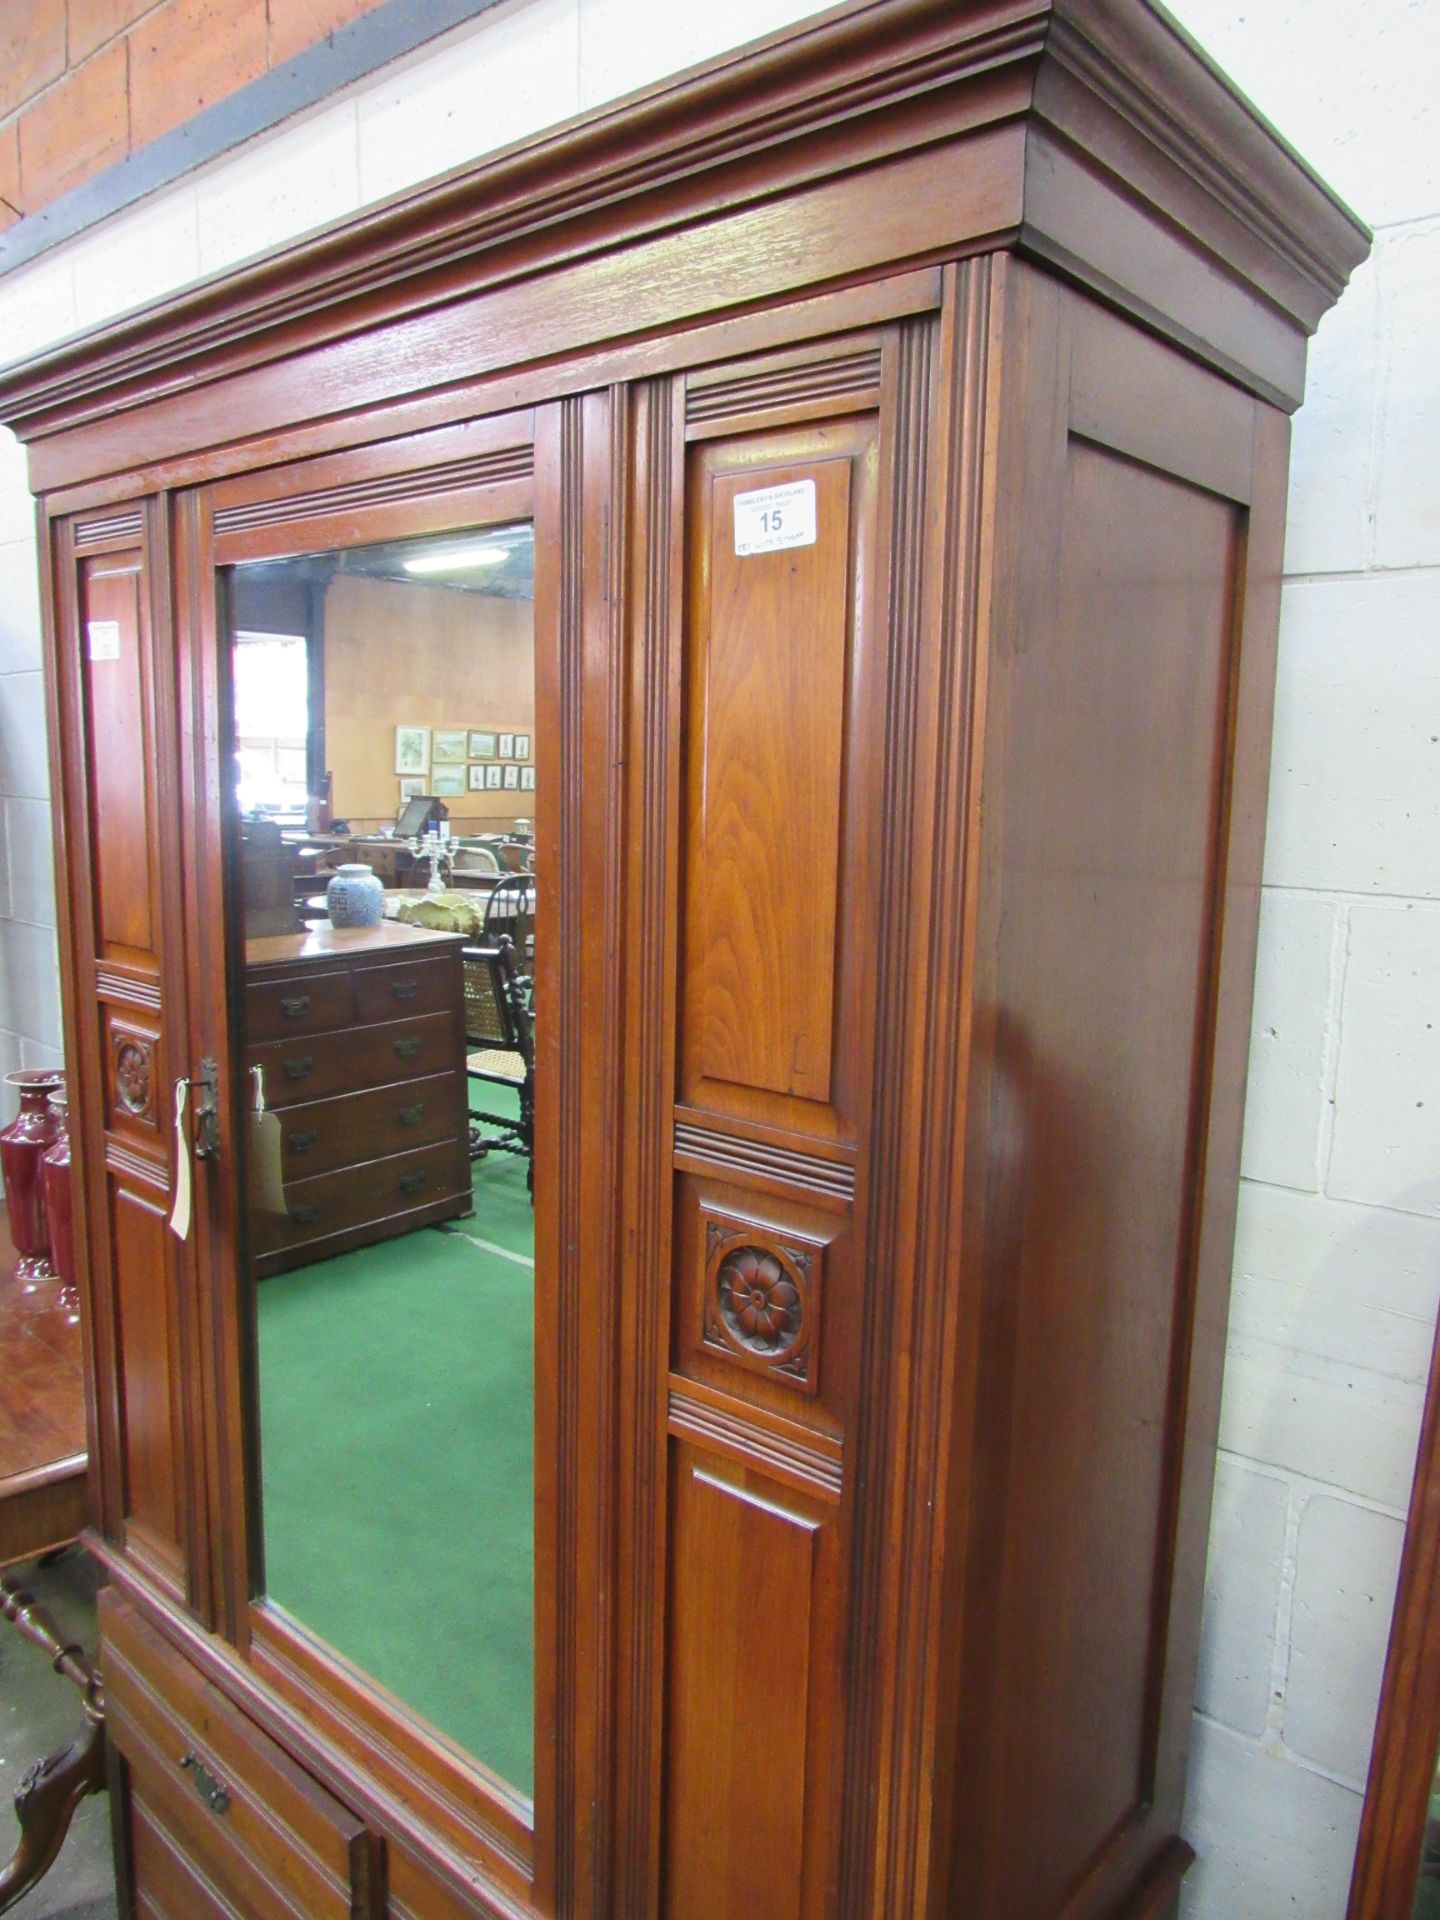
{"x": 59, "y": 1215}
{"x": 22, "y": 1144}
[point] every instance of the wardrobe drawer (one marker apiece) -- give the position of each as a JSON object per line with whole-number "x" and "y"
{"x": 356, "y": 1196}
{"x": 269, "y": 1839}
{"x": 431, "y": 985}
{"x": 167, "y": 1882}
{"x": 325, "y": 1134}
{"x": 297, "y": 1070}
{"x": 305, "y": 1003}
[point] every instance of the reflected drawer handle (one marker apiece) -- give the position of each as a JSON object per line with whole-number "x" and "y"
{"x": 412, "y": 1116}
{"x": 414, "y": 1182}
{"x": 405, "y": 989}
{"x": 407, "y": 1049}
{"x": 305, "y": 1216}
{"x": 302, "y": 1142}
{"x": 206, "y": 1785}
{"x": 298, "y": 1069}
{"x": 292, "y": 1009}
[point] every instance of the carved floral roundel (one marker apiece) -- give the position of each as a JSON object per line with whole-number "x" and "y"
{"x": 132, "y": 1077}
{"x": 761, "y": 1305}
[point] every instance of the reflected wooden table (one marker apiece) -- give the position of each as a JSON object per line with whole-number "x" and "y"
{"x": 42, "y": 1415}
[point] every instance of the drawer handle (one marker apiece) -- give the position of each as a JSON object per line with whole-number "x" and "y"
{"x": 206, "y": 1785}
{"x": 414, "y": 1182}
{"x": 405, "y": 989}
{"x": 306, "y": 1215}
{"x": 298, "y": 1069}
{"x": 294, "y": 1008}
{"x": 407, "y": 1049}
{"x": 412, "y": 1116}
{"x": 302, "y": 1142}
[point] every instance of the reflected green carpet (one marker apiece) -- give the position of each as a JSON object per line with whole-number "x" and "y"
{"x": 397, "y": 1440}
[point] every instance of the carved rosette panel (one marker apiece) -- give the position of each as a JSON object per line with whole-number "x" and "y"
{"x": 762, "y": 1302}
{"x": 134, "y": 1093}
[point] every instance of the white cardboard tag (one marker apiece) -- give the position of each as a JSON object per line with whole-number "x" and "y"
{"x": 772, "y": 518}
{"x": 104, "y": 639}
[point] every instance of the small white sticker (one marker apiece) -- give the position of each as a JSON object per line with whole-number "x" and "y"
{"x": 104, "y": 638}
{"x": 773, "y": 518}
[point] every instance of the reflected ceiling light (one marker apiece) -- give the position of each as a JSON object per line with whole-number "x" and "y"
{"x": 456, "y": 560}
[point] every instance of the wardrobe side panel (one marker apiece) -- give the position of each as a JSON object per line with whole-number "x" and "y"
{"x": 1115, "y": 650}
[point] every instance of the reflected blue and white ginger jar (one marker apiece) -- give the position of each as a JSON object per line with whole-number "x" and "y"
{"x": 355, "y": 898}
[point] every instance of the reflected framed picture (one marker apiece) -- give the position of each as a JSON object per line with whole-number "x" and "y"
{"x": 512, "y": 776}
{"x": 448, "y": 746}
{"x": 527, "y": 779}
{"x": 477, "y": 778}
{"x": 522, "y": 746}
{"x": 447, "y": 782}
{"x": 412, "y": 786}
{"x": 507, "y": 746}
{"x": 482, "y": 747}
{"x": 492, "y": 777}
{"x": 412, "y": 749}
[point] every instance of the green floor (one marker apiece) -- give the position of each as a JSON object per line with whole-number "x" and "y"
{"x": 397, "y": 1441}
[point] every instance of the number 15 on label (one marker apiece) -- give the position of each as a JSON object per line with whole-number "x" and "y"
{"x": 772, "y": 518}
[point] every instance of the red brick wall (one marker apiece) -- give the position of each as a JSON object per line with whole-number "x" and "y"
{"x": 84, "y": 82}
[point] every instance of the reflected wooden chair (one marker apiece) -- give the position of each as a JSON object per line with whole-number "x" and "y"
{"x": 510, "y": 914}
{"x": 500, "y": 1043}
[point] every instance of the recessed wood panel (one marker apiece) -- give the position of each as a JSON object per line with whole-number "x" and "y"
{"x": 146, "y": 1355}
{"x": 769, "y": 663}
{"x": 743, "y": 1625}
{"x": 112, "y": 660}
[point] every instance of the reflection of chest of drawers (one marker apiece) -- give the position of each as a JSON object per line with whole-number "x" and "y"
{"x": 359, "y": 1034}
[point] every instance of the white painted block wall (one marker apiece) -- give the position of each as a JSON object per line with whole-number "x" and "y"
{"x": 1337, "y": 1271}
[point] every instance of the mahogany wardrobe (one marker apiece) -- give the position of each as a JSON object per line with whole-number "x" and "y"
{"x": 896, "y": 413}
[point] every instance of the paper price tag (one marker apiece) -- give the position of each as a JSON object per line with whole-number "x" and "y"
{"x": 104, "y": 639}
{"x": 773, "y": 518}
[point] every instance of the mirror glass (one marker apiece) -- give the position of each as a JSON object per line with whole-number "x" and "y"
{"x": 386, "y": 780}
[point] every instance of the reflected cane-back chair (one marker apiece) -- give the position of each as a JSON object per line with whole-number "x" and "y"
{"x": 500, "y": 1048}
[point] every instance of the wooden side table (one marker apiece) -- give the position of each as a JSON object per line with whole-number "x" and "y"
{"x": 43, "y": 1501}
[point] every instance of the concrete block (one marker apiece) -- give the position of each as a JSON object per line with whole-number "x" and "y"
{"x": 1352, "y": 90}
{"x": 24, "y": 767}
{"x": 1327, "y": 523}
{"x": 626, "y": 44}
{"x": 281, "y": 186}
{"x": 1355, "y": 770}
{"x": 35, "y": 1054}
{"x": 37, "y": 307}
{"x": 1285, "y": 1103}
{"x": 30, "y": 862}
{"x": 9, "y": 1063}
{"x": 1407, "y": 506}
{"x": 30, "y": 981}
{"x": 1271, "y": 1838}
{"x": 1341, "y": 1424}
{"x": 1347, "y": 1561}
{"x": 510, "y": 74}
{"x": 17, "y": 505}
{"x": 1350, "y": 1284}
{"x": 19, "y": 608}
{"x": 1386, "y": 1144}
{"x": 140, "y": 255}
{"x": 1242, "y": 1596}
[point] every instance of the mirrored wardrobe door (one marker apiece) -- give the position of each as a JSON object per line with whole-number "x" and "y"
{"x": 381, "y": 943}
